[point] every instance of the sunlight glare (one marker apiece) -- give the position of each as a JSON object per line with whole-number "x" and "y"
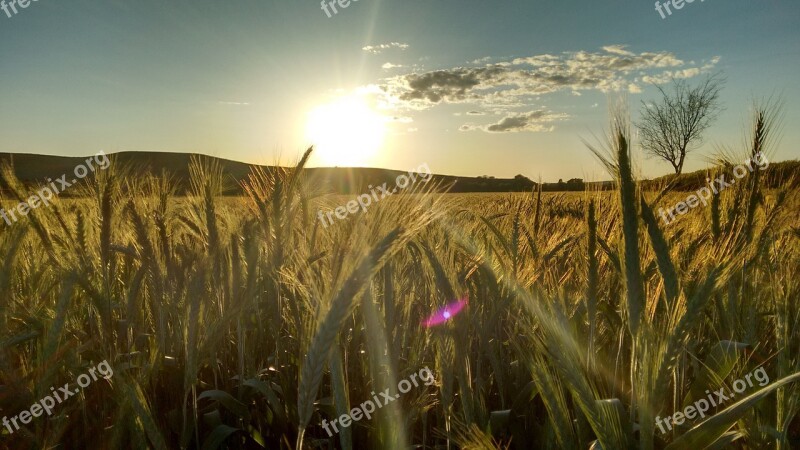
{"x": 345, "y": 132}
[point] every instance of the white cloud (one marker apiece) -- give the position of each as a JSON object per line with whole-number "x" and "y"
{"x": 515, "y": 83}
{"x": 505, "y": 88}
{"x": 375, "y": 49}
{"x": 533, "y": 121}
{"x": 618, "y": 50}
{"x": 483, "y": 60}
{"x": 388, "y": 65}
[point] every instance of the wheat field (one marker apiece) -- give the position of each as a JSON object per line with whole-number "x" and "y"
{"x": 241, "y": 323}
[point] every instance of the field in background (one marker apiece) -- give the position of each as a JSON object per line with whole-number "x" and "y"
{"x": 241, "y": 323}
{"x": 34, "y": 170}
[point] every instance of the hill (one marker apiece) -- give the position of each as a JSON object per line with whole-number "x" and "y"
{"x": 34, "y": 170}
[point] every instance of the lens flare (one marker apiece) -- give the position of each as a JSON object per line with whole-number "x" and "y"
{"x": 445, "y": 313}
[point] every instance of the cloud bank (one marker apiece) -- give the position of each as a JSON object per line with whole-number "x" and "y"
{"x": 516, "y": 83}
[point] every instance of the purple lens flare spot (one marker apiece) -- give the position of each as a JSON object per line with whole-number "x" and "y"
{"x": 445, "y": 313}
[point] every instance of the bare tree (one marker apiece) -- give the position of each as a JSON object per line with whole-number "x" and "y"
{"x": 674, "y": 125}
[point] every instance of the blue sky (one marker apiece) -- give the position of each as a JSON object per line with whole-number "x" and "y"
{"x": 470, "y": 87}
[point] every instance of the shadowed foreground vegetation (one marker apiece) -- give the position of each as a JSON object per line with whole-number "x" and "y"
{"x": 242, "y": 323}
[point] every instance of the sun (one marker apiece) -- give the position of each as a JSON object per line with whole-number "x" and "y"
{"x": 345, "y": 132}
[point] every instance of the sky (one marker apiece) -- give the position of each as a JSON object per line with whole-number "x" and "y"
{"x": 469, "y": 87}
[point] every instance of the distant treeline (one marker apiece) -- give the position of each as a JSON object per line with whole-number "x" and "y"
{"x": 775, "y": 175}
{"x": 34, "y": 170}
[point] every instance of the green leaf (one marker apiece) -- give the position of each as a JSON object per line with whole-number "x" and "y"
{"x": 218, "y": 437}
{"x": 227, "y": 400}
{"x": 339, "y": 387}
{"x": 137, "y": 400}
{"x": 498, "y": 422}
{"x": 718, "y": 364}
{"x": 711, "y": 431}
{"x": 725, "y": 441}
{"x": 272, "y": 399}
